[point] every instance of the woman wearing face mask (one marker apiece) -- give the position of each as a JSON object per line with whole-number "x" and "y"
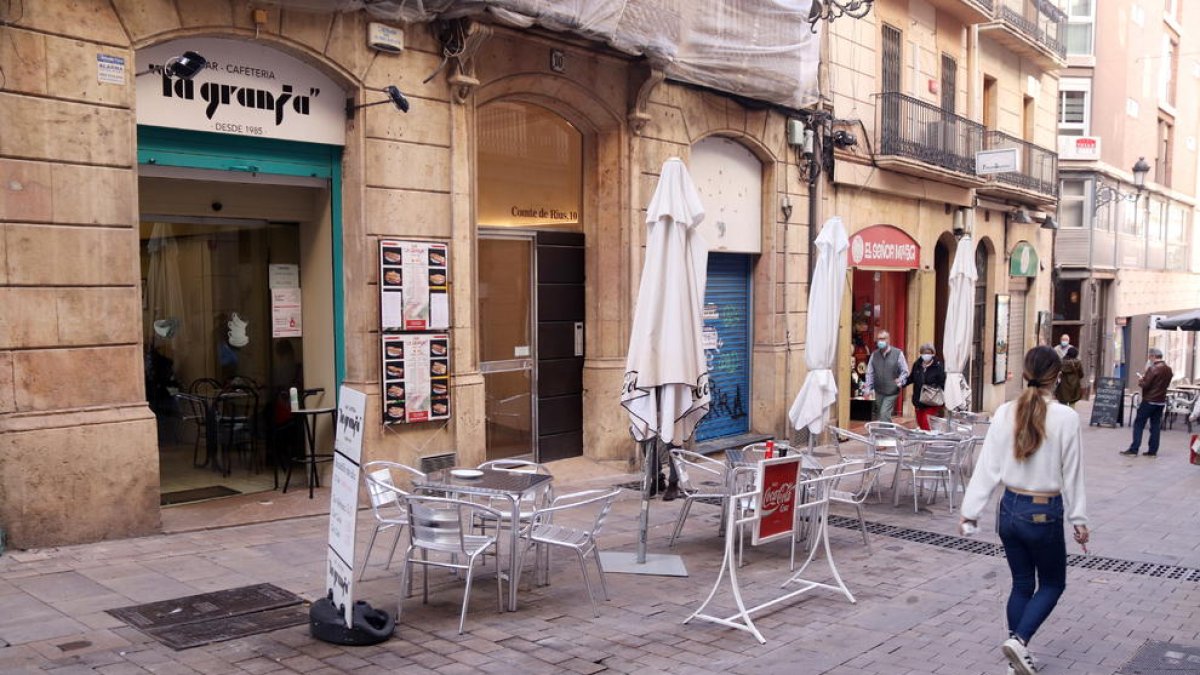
{"x": 927, "y": 371}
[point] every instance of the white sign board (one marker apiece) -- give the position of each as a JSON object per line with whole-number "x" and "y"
{"x": 110, "y": 69}
{"x": 283, "y": 276}
{"x": 1003, "y": 160}
{"x": 1079, "y": 147}
{"x": 343, "y": 499}
{"x": 246, "y": 89}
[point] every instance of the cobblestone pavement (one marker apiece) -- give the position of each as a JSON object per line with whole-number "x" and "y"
{"x": 921, "y": 608}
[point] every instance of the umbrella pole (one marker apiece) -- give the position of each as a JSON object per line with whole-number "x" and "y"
{"x": 649, "y": 476}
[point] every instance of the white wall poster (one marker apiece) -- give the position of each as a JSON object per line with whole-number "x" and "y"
{"x": 286, "y": 313}
{"x": 414, "y": 285}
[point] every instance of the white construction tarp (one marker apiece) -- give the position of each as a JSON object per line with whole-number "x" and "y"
{"x": 760, "y": 49}
{"x": 820, "y": 349}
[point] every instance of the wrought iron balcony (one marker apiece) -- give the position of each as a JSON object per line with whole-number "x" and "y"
{"x": 1039, "y": 21}
{"x": 913, "y": 129}
{"x": 1037, "y": 167}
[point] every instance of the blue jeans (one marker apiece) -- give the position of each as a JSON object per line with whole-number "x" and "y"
{"x": 1154, "y": 413}
{"x": 1032, "y": 534}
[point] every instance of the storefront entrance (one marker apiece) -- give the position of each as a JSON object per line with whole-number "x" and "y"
{"x": 727, "y": 310}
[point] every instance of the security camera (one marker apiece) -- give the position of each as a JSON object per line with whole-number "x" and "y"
{"x": 186, "y": 66}
{"x": 844, "y": 139}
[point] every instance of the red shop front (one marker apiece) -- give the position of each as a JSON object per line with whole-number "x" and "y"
{"x": 882, "y": 258}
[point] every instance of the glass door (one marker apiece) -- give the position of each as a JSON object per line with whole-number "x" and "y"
{"x": 506, "y": 343}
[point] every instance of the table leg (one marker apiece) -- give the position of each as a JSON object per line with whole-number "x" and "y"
{"x": 514, "y": 543}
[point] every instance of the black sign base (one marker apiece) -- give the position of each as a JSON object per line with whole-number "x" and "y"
{"x": 371, "y": 626}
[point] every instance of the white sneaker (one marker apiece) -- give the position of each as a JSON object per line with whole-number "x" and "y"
{"x": 1019, "y": 659}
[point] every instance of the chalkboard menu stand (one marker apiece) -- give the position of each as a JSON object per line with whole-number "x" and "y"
{"x": 1108, "y": 403}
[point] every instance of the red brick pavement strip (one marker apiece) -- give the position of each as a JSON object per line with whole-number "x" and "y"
{"x": 921, "y": 609}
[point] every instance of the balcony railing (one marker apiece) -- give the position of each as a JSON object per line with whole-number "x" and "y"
{"x": 1037, "y": 20}
{"x": 910, "y": 127}
{"x": 986, "y": 3}
{"x": 1038, "y": 166}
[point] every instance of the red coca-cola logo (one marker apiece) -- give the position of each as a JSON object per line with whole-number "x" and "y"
{"x": 778, "y": 497}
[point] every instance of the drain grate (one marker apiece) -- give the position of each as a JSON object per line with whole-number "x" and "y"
{"x": 1162, "y": 658}
{"x": 954, "y": 543}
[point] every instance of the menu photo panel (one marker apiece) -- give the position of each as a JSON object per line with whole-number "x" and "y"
{"x": 414, "y": 285}
{"x": 416, "y": 377}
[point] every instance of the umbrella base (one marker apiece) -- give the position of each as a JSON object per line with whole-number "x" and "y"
{"x": 657, "y": 564}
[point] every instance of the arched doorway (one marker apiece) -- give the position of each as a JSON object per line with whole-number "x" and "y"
{"x": 979, "y": 339}
{"x": 531, "y": 280}
{"x": 943, "y": 258}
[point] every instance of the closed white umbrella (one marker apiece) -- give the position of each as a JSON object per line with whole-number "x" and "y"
{"x": 666, "y": 378}
{"x": 819, "y": 391}
{"x": 960, "y": 322}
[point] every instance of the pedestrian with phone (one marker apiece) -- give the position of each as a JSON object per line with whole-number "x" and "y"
{"x": 1154, "y": 384}
{"x": 1032, "y": 448}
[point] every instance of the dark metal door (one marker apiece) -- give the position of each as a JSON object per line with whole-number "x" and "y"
{"x": 978, "y": 345}
{"x": 560, "y": 344}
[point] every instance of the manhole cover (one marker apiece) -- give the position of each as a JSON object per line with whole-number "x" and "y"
{"x": 197, "y": 620}
{"x": 1163, "y": 658}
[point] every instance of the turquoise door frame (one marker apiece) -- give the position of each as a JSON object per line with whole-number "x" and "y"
{"x": 219, "y": 152}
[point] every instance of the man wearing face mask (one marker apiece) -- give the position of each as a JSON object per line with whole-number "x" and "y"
{"x": 1154, "y": 383}
{"x": 1063, "y": 345}
{"x": 887, "y": 372}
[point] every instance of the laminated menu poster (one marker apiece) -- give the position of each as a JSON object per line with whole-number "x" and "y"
{"x": 414, "y": 282}
{"x": 416, "y": 378}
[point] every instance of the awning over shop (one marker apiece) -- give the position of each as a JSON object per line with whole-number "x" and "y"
{"x": 762, "y": 50}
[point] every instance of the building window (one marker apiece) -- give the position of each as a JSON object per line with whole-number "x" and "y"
{"x": 1127, "y": 217}
{"x": 891, "y": 59}
{"x": 1162, "y": 164}
{"x": 1167, "y": 74}
{"x": 1081, "y": 24}
{"x": 1074, "y": 106}
{"x": 1154, "y": 214}
{"x": 1070, "y": 203}
{"x": 949, "y": 82}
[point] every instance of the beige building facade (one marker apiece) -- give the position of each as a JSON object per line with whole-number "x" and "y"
{"x": 1127, "y": 254}
{"x": 151, "y": 262}
{"x": 922, "y": 86}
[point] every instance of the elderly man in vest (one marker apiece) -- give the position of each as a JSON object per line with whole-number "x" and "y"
{"x": 887, "y": 371}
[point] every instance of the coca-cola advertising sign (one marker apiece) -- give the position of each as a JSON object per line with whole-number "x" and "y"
{"x": 776, "y": 507}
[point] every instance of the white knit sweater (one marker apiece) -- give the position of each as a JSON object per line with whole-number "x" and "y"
{"x": 1056, "y": 466}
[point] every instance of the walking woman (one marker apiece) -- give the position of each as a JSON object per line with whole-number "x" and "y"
{"x": 927, "y": 372}
{"x": 1069, "y": 389}
{"x": 1032, "y": 448}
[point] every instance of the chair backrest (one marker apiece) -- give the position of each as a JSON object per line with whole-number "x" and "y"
{"x": 442, "y": 522}
{"x": 840, "y": 437}
{"x": 698, "y": 473}
{"x": 193, "y": 406}
{"x": 600, "y": 499}
{"x": 938, "y": 423}
{"x": 237, "y": 404}
{"x": 205, "y": 386}
{"x": 866, "y": 471}
{"x": 387, "y": 482}
{"x": 937, "y": 453}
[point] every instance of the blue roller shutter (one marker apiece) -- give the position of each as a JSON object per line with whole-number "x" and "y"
{"x": 727, "y": 311}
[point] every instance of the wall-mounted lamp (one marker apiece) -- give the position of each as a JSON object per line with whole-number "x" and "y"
{"x": 394, "y": 97}
{"x": 1106, "y": 193}
{"x": 1049, "y": 223}
{"x": 785, "y": 205}
{"x": 960, "y": 227}
{"x": 1022, "y": 216}
{"x": 185, "y": 66}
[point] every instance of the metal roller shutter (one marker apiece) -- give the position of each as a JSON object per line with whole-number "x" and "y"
{"x": 727, "y": 312}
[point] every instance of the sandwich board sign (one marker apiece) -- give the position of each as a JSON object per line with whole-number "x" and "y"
{"x": 343, "y": 499}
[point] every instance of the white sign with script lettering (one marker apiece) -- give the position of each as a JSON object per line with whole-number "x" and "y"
{"x": 245, "y": 89}
{"x": 343, "y": 499}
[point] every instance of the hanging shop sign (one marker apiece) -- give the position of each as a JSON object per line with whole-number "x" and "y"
{"x": 884, "y": 247}
{"x": 245, "y": 89}
{"x": 414, "y": 283}
{"x": 416, "y": 377}
{"x": 1024, "y": 261}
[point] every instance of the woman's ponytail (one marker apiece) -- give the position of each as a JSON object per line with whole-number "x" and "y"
{"x": 1042, "y": 366}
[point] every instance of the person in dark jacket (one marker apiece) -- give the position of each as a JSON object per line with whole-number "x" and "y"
{"x": 1069, "y": 389}
{"x": 1154, "y": 384}
{"x": 927, "y": 371}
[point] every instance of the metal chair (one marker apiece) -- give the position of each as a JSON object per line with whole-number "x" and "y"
{"x": 442, "y": 526}
{"x": 386, "y": 485}
{"x": 529, "y": 503}
{"x": 936, "y": 461}
{"x": 938, "y": 424}
{"x": 700, "y": 477}
{"x": 842, "y": 492}
{"x": 544, "y": 533}
{"x": 839, "y": 437}
{"x": 237, "y": 424}
{"x": 194, "y": 409}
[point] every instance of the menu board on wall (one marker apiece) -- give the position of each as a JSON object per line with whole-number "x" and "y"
{"x": 416, "y": 378}
{"x": 414, "y": 279}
